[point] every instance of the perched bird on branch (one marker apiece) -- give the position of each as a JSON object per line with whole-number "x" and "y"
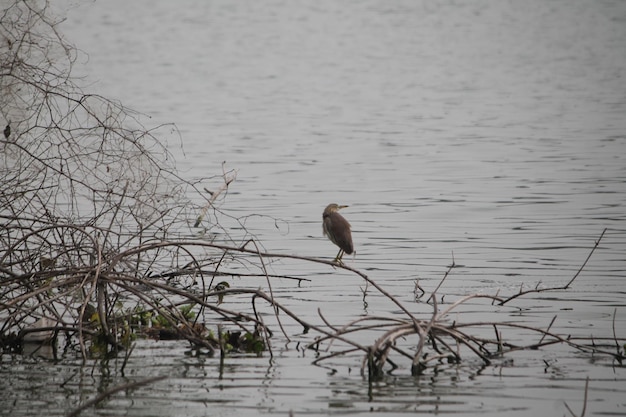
{"x": 7, "y": 132}
{"x": 337, "y": 229}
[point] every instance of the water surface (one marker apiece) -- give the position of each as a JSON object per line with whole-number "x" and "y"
{"x": 488, "y": 134}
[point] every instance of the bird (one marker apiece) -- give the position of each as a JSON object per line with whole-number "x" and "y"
{"x": 7, "y": 131}
{"x": 337, "y": 229}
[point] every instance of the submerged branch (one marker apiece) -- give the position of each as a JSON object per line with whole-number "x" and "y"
{"x": 564, "y": 287}
{"x": 114, "y": 390}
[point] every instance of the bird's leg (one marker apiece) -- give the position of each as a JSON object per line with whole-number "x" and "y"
{"x": 339, "y": 256}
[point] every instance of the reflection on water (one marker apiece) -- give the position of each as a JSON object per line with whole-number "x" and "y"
{"x": 249, "y": 385}
{"x": 488, "y": 134}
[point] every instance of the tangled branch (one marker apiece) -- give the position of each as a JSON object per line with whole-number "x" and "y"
{"x": 83, "y": 181}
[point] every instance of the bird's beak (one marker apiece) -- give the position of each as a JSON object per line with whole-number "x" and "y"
{"x": 342, "y": 207}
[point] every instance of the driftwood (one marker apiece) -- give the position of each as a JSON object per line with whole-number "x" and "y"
{"x": 437, "y": 338}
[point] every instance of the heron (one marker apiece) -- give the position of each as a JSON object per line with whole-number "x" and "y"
{"x": 337, "y": 229}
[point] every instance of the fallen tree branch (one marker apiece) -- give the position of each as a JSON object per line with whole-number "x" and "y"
{"x": 564, "y": 287}
{"x": 112, "y": 391}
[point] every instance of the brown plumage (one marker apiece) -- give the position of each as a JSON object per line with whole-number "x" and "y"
{"x": 337, "y": 229}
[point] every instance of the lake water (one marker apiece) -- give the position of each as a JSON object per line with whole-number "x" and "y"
{"x": 491, "y": 134}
